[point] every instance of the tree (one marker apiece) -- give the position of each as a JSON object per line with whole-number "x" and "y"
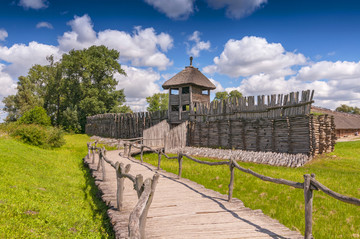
{"x": 235, "y": 94}
{"x": 348, "y": 109}
{"x": 36, "y": 115}
{"x": 158, "y": 101}
{"x": 223, "y": 95}
{"x": 81, "y": 84}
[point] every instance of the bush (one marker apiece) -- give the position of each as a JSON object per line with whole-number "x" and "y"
{"x": 37, "y": 135}
{"x": 31, "y": 134}
{"x": 36, "y": 115}
{"x": 55, "y": 137}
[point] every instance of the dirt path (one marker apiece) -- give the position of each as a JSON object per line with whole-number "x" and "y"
{"x": 184, "y": 209}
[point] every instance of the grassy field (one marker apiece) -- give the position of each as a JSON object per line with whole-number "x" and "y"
{"x": 49, "y": 193}
{"x": 339, "y": 171}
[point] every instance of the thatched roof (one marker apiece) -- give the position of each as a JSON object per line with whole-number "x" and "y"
{"x": 342, "y": 120}
{"x": 189, "y": 76}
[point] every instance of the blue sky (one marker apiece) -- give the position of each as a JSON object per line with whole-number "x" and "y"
{"x": 254, "y": 46}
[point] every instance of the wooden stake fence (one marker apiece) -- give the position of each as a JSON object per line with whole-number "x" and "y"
{"x": 145, "y": 190}
{"x": 309, "y": 184}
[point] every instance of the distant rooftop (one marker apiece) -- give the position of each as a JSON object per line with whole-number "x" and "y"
{"x": 342, "y": 120}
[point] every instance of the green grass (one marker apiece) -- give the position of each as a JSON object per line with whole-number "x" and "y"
{"x": 49, "y": 193}
{"x": 331, "y": 218}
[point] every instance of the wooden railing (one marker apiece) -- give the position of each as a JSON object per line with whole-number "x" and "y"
{"x": 144, "y": 189}
{"x": 309, "y": 185}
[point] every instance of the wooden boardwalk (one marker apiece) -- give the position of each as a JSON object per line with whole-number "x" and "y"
{"x": 184, "y": 209}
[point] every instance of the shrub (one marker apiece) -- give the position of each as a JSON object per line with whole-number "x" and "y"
{"x": 55, "y": 137}
{"x": 37, "y": 135}
{"x": 31, "y": 134}
{"x": 36, "y": 115}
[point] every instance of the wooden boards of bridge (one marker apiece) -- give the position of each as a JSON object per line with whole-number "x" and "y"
{"x": 184, "y": 209}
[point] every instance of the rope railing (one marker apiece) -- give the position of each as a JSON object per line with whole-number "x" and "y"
{"x": 309, "y": 184}
{"x": 145, "y": 189}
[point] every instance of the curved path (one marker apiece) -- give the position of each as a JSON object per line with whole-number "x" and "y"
{"x": 184, "y": 209}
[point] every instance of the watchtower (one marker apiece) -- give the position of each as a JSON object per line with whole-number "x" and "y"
{"x": 186, "y": 87}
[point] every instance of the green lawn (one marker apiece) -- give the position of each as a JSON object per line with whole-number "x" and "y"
{"x": 49, "y": 193}
{"x": 339, "y": 171}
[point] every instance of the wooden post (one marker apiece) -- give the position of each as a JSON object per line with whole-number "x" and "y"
{"x": 147, "y": 206}
{"x": 99, "y": 161}
{"x": 180, "y": 159}
{"x": 129, "y": 155}
{"x": 139, "y": 181}
{"x": 164, "y": 141}
{"x": 308, "y": 195}
{"x": 93, "y": 154}
{"x": 141, "y": 153}
{"x": 120, "y": 183}
{"x": 231, "y": 184}
{"x": 103, "y": 164}
{"x": 159, "y": 160}
{"x": 88, "y": 155}
{"x": 125, "y": 149}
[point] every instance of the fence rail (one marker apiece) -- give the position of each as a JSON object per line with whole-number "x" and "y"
{"x": 145, "y": 189}
{"x": 309, "y": 185}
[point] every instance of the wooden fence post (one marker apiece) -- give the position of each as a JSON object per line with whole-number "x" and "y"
{"x": 125, "y": 149}
{"x": 180, "y": 159}
{"x": 141, "y": 153}
{"x": 159, "y": 159}
{"x": 93, "y": 153}
{"x": 129, "y": 155}
{"x": 99, "y": 161}
{"x": 103, "y": 163}
{"x": 147, "y": 206}
{"x": 120, "y": 183}
{"x": 308, "y": 195}
{"x": 88, "y": 146}
{"x": 139, "y": 181}
{"x": 231, "y": 184}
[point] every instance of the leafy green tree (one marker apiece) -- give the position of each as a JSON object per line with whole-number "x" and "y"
{"x": 348, "y": 109}
{"x": 81, "y": 84}
{"x": 158, "y": 101}
{"x": 223, "y": 95}
{"x": 235, "y": 94}
{"x": 37, "y": 115}
{"x": 27, "y": 97}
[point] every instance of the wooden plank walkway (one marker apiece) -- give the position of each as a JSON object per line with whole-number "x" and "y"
{"x": 184, "y": 209}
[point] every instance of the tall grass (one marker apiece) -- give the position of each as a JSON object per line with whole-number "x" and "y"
{"x": 49, "y": 193}
{"x": 340, "y": 171}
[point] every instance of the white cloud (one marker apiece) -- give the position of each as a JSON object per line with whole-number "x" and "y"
{"x": 198, "y": 46}
{"x": 142, "y": 48}
{"x": 3, "y": 34}
{"x": 137, "y": 85}
{"x": 83, "y": 27}
{"x": 44, "y": 25}
{"x": 175, "y": 9}
{"x": 217, "y": 84}
{"x": 254, "y": 55}
{"x": 329, "y": 94}
{"x": 21, "y": 57}
{"x": 237, "y": 8}
{"x": 8, "y": 86}
{"x": 269, "y": 69}
{"x": 34, "y": 4}
{"x": 327, "y": 70}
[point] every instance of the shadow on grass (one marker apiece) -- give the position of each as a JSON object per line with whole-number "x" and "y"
{"x": 98, "y": 207}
